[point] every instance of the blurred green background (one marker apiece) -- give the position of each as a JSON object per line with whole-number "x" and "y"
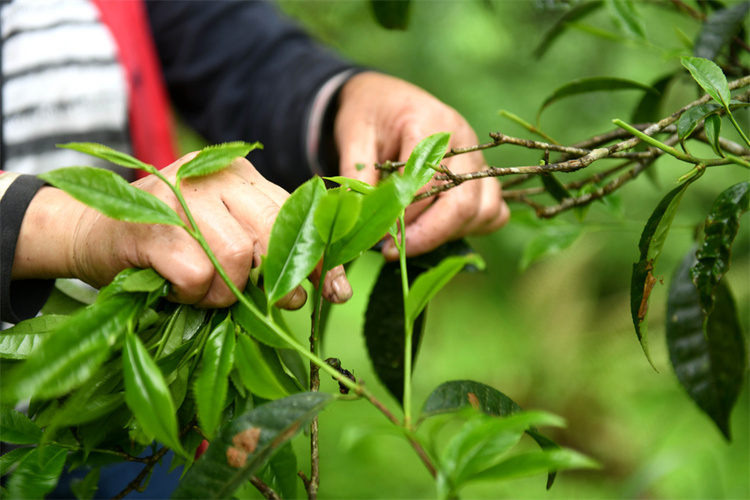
{"x": 558, "y": 335}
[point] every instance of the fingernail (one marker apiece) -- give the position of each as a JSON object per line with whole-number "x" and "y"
{"x": 390, "y": 252}
{"x": 342, "y": 290}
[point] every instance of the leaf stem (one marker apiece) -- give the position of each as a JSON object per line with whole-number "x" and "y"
{"x": 737, "y": 127}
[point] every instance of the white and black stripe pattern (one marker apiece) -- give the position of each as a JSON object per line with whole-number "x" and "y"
{"x": 61, "y": 83}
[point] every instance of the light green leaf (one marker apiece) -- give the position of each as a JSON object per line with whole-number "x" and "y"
{"x": 143, "y": 280}
{"x": 551, "y": 240}
{"x": 210, "y": 386}
{"x": 628, "y": 16}
{"x": 110, "y": 194}
{"x": 355, "y": 185}
{"x": 431, "y": 282}
{"x": 258, "y": 372}
{"x": 253, "y": 322}
{"x": 37, "y": 474}
{"x": 13, "y": 457}
{"x": 147, "y": 394}
{"x": 295, "y": 247}
{"x": 429, "y": 151}
{"x": 537, "y": 462}
{"x": 19, "y": 341}
{"x": 577, "y": 12}
{"x": 336, "y": 214}
{"x": 212, "y": 159}
{"x": 108, "y": 154}
{"x": 710, "y": 77}
{"x": 16, "y": 428}
{"x": 74, "y": 352}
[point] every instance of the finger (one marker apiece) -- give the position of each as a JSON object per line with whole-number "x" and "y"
{"x": 336, "y": 287}
{"x": 357, "y": 142}
{"x": 293, "y": 300}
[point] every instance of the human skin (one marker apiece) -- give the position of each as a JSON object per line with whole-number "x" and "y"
{"x": 235, "y": 210}
{"x": 383, "y": 118}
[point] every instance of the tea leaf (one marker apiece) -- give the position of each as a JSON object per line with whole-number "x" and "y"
{"x": 211, "y": 385}
{"x": 225, "y": 467}
{"x": 713, "y": 133}
{"x": 536, "y": 462}
{"x": 629, "y": 17}
{"x": 13, "y": 457}
{"x": 336, "y": 214}
{"x": 391, "y": 14}
{"x": 710, "y": 77}
{"x": 355, "y": 185}
{"x": 20, "y": 341}
{"x": 16, "y": 428}
{"x": 718, "y": 30}
{"x": 651, "y": 243}
{"x": 147, "y": 394}
{"x": 254, "y": 323}
{"x": 578, "y": 12}
{"x": 212, "y": 159}
{"x": 708, "y": 354}
{"x": 429, "y": 151}
{"x": 295, "y": 247}
{"x": 110, "y": 194}
{"x": 144, "y": 280}
{"x": 693, "y": 116}
{"x": 37, "y": 474}
{"x": 108, "y": 154}
{"x": 258, "y": 372}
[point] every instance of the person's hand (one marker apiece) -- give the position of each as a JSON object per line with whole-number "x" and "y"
{"x": 234, "y": 209}
{"x": 382, "y": 118}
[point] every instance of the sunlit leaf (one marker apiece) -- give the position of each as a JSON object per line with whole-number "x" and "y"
{"x": 722, "y": 226}
{"x": 650, "y": 245}
{"x": 212, "y": 159}
{"x": 391, "y": 14}
{"x": 255, "y": 323}
{"x": 295, "y": 247}
{"x": 16, "y": 428}
{"x": 147, "y": 394}
{"x": 73, "y": 353}
{"x": 13, "y": 457}
{"x": 429, "y": 151}
{"x": 718, "y": 30}
{"x": 355, "y": 185}
{"x": 536, "y": 462}
{"x": 110, "y": 194}
{"x": 710, "y": 77}
{"x": 210, "y": 386}
{"x": 708, "y": 355}
{"x": 336, "y": 214}
{"x": 108, "y": 154}
{"x": 37, "y": 474}
{"x": 143, "y": 280}
{"x": 246, "y": 443}
{"x": 594, "y": 84}
{"x": 19, "y": 341}
{"x": 579, "y": 11}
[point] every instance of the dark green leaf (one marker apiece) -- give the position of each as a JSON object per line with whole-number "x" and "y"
{"x": 391, "y": 14}
{"x": 108, "y": 154}
{"x": 16, "y": 428}
{"x": 336, "y": 214}
{"x": 431, "y": 282}
{"x": 708, "y": 356}
{"x": 212, "y": 159}
{"x": 384, "y": 327}
{"x": 718, "y": 30}
{"x": 721, "y": 228}
{"x": 38, "y": 473}
{"x": 650, "y": 245}
{"x": 268, "y": 426}
{"x": 61, "y": 303}
{"x": 258, "y": 371}
{"x": 147, "y": 394}
{"x": 255, "y": 323}
{"x": 693, "y": 116}
{"x": 211, "y": 384}
{"x": 283, "y": 468}
{"x": 11, "y": 458}
{"x": 295, "y": 247}
{"x": 580, "y": 11}
{"x": 429, "y": 151}
{"x": 536, "y": 462}
{"x": 380, "y": 210}
{"x": 710, "y": 77}
{"x": 110, "y": 194}
{"x": 595, "y": 84}
{"x": 74, "y": 352}
{"x": 649, "y": 107}
{"x": 19, "y": 341}
{"x": 628, "y": 17}
{"x": 554, "y": 187}
{"x": 713, "y": 132}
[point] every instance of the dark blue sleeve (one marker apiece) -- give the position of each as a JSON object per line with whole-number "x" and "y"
{"x": 239, "y": 71}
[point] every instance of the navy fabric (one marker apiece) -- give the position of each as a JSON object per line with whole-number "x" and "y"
{"x": 239, "y": 71}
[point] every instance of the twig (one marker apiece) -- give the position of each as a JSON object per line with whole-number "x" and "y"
{"x": 264, "y": 489}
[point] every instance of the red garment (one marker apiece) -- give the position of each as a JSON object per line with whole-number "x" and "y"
{"x": 149, "y": 113}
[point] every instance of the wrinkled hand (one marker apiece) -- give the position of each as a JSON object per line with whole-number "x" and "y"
{"x": 382, "y": 118}
{"x": 234, "y": 209}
